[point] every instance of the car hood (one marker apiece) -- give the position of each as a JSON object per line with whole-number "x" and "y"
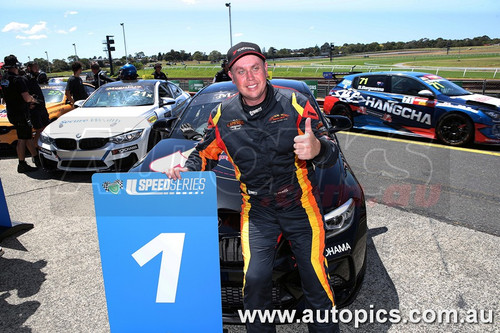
{"x": 478, "y": 100}
{"x": 100, "y": 122}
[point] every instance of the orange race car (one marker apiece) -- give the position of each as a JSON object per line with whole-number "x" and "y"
{"x": 55, "y": 101}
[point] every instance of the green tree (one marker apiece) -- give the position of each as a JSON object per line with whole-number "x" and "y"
{"x": 214, "y": 56}
{"x": 198, "y": 56}
{"x": 43, "y": 64}
{"x": 59, "y": 65}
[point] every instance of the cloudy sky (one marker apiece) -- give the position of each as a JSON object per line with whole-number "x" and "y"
{"x": 31, "y": 27}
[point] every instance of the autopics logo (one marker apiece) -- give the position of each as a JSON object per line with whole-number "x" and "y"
{"x": 113, "y": 187}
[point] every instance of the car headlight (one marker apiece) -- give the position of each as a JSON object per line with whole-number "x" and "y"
{"x": 340, "y": 218}
{"x": 127, "y": 137}
{"x": 493, "y": 114}
{"x": 44, "y": 138}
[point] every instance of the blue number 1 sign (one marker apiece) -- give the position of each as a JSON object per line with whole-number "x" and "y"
{"x": 159, "y": 249}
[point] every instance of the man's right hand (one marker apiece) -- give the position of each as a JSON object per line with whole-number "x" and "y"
{"x": 175, "y": 172}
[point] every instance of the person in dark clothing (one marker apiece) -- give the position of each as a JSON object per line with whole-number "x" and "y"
{"x": 38, "y": 114}
{"x": 158, "y": 74}
{"x": 278, "y": 143}
{"x": 75, "y": 90}
{"x": 99, "y": 77}
{"x": 18, "y": 103}
{"x": 222, "y": 75}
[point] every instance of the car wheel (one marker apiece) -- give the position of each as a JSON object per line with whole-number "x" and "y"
{"x": 343, "y": 110}
{"x": 455, "y": 130}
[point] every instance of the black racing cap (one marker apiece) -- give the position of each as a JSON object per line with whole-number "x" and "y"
{"x": 242, "y": 49}
{"x": 11, "y": 62}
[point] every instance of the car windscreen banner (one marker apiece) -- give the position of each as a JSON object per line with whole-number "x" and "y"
{"x": 159, "y": 247}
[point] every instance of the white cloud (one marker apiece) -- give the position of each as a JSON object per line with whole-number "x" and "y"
{"x": 31, "y": 37}
{"x": 70, "y": 12}
{"x": 26, "y": 44}
{"x": 72, "y": 29}
{"x": 190, "y": 2}
{"x": 40, "y": 26}
{"x": 312, "y": 27}
{"x": 62, "y": 32}
{"x": 90, "y": 33}
{"x": 15, "y": 26}
{"x": 239, "y": 34}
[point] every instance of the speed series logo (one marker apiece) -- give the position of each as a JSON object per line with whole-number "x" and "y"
{"x": 165, "y": 186}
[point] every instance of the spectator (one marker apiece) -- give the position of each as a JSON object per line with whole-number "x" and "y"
{"x": 99, "y": 77}
{"x": 222, "y": 75}
{"x": 38, "y": 114}
{"x": 75, "y": 89}
{"x": 158, "y": 74}
{"x": 18, "y": 103}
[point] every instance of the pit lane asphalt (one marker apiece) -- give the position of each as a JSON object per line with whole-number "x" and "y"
{"x": 51, "y": 278}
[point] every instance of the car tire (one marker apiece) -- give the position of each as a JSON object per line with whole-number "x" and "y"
{"x": 455, "y": 129}
{"x": 343, "y": 110}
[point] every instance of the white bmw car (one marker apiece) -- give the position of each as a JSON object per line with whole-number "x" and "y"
{"x": 112, "y": 129}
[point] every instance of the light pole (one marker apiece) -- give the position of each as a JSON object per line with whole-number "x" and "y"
{"x": 228, "y": 4}
{"x": 76, "y": 55}
{"x": 124, "y": 42}
{"x": 48, "y": 62}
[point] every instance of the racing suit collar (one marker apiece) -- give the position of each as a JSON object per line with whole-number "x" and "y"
{"x": 256, "y": 111}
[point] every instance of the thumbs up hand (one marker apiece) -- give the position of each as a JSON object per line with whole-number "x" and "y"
{"x": 307, "y": 146}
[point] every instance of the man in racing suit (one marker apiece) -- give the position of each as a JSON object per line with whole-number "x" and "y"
{"x": 274, "y": 139}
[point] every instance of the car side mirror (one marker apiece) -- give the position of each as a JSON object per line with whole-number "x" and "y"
{"x": 166, "y": 101}
{"x": 79, "y": 103}
{"x": 339, "y": 123}
{"x": 426, "y": 93}
{"x": 164, "y": 125}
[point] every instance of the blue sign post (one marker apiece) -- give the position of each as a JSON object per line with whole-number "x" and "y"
{"x": 328, "y": 75}
{"x": 7, "y": 227}
{"x": 159, "y": 248}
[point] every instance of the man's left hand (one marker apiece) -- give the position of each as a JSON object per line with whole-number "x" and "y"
{"x": 307, "y": 146}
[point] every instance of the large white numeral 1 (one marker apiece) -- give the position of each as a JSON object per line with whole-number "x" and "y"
{"x": 171, "y": 244}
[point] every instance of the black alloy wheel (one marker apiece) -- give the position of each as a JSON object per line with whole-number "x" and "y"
{"x": 455, "y": 130}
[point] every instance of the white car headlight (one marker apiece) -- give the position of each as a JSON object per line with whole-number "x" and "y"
{"x": 339, "y": 219}
{"x": 127, "y": 137}
{"x": 44, "y": 138}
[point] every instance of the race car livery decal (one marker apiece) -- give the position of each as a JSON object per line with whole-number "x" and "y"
{"x": 419, "y": 101}
{"x": 152, "y": 118}
{"x": 348, "y": 96}
{"x": 176, "y": 159}
{"x": 337, "y": 249}
{"x": 398, "y": 110}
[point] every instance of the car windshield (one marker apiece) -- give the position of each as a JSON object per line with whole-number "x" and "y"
{"x": 53, "y": 94}
{"x": 198, "y": 112}
{"x": 444, "y": 86}
{"x": 122, "y": 95}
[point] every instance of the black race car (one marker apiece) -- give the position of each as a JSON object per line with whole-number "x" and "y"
{"x": 343, "y": 203}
